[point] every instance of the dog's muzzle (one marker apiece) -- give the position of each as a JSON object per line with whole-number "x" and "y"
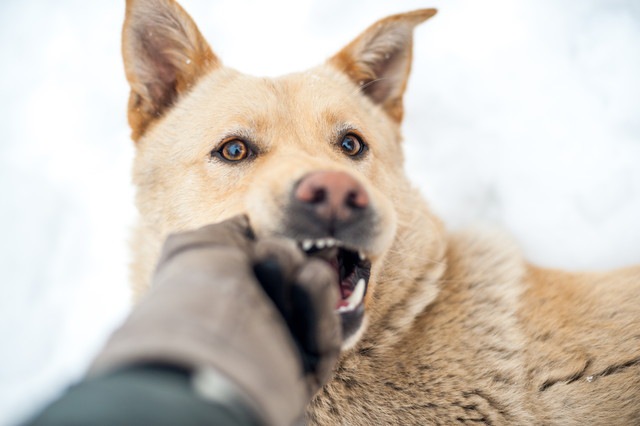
{"x": 331, "y": 216}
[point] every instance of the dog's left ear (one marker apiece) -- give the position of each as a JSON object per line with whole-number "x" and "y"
{"x": 379, "y": 60}
{"x": 164, "y": 56}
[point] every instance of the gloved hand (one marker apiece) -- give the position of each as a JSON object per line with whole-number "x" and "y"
{"x": 258, "y": 311}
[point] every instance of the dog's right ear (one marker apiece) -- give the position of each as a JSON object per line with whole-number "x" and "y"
{"x": 379, "y": 60}
{"x": 164, "y": 55}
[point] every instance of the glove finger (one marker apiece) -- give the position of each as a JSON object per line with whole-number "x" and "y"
{"x": 276, "y": 261}
{"x": 270, "y": 276}
{"x": 305, "y": 292}
{"x": 231, "y": 233}
{"x": 316, "y": 325}
{"x": 284, "y": 252}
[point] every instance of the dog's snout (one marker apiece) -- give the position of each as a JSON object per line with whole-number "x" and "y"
{"x": 332, "y": 196}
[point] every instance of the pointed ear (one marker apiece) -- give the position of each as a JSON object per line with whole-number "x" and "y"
{"x": 379, "y": 60}
{"x": 164, "y": 55}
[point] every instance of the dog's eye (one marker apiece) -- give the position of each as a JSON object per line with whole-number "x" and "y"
{"x": 234, "y": 150}
{"x": 352, "y": 145}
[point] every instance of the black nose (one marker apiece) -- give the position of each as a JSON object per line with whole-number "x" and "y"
{"x": 330, "y": 203}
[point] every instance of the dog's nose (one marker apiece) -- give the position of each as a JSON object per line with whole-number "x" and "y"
{"x": 333, "y": 196}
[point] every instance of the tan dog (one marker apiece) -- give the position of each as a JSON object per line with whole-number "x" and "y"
{"x": 438, "y": 328}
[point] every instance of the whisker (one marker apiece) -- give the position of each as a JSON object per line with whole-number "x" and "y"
{"x": 369, "y": 83}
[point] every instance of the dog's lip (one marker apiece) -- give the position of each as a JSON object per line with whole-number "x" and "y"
{"x": 352, "y": 267}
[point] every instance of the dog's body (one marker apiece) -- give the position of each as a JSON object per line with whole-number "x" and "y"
{"x": 501, "y": 343}
{"x": 457, "y": 329}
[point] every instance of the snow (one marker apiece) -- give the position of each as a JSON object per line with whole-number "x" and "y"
{"x": 522, "y": 114}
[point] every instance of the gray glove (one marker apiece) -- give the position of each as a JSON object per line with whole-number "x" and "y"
{"x": 259, "y": 312}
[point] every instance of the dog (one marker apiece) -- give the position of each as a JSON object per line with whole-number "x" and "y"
{"x": 438, "y": 328}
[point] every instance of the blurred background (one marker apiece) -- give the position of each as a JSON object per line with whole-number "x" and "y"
{"x": 525, "y": 115}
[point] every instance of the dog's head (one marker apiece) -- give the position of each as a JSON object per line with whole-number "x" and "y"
{"x": 315, "y": 156}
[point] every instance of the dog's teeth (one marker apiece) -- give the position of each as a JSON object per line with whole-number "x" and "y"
{"x": 307, "y": 244}
{"x": 361, "y": 255}
{"x": 356, "y": 297}
{"x": 330, "y": 242}
{"x": 320, "y": 243}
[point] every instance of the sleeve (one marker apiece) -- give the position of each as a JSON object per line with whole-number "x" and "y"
{"x": 150, "y": 395}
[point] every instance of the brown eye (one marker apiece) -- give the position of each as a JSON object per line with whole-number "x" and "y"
{"x": 234, "y": 150}
{"x": 352, "y": 145}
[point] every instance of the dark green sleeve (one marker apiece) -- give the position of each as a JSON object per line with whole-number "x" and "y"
{"x": 145, "y": 395}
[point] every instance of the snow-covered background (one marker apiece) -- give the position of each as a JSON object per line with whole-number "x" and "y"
{"x": 521, "y": 113}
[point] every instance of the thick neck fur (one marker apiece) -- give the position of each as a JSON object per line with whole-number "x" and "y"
{"x": 408, "y": 278}
{"x": 450, "y": 359}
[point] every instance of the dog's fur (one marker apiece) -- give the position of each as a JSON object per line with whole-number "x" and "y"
{"x": 460, "y": 328}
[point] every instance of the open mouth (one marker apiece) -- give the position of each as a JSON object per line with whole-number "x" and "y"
{"x": 352, "y": 270}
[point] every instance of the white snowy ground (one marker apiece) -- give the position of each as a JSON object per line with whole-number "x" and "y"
{"x": 521, "y": 113}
